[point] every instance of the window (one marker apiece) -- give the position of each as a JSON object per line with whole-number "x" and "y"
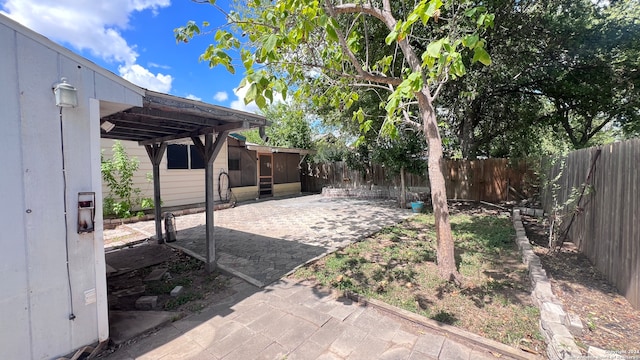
{"x": 184, "y": 157}
{"x": 234, "y": 164}
{"x": 197, "y": 162}
{"x": 177, "y": 157}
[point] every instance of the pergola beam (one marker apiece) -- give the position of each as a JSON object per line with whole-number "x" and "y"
{"x": 209, "y": 150}
{"x": 156, "y": 152}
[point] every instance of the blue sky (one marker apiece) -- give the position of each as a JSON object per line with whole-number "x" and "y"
{"x": 134, "y": 39}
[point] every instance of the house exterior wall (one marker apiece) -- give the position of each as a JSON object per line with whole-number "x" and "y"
{"x": 37, "y": 240}
{"x": 245, "y": 193}
{"x": 178, "y": 187}
{"x": 287, "y": 189}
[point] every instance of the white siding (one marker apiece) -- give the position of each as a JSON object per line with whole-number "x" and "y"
{"x": 177, "y": 187}
{"x": 14, "y": 301}
{"x": 37, "y": 290}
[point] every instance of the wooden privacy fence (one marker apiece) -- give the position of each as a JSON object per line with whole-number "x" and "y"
{"x": 606, "y": 221}
{"x": 491, "y": 180}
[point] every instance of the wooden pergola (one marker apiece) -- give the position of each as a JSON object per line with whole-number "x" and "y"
{"x": 165, "y": 118}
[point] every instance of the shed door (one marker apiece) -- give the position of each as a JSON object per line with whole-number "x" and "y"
{"x": 265, "y": 174}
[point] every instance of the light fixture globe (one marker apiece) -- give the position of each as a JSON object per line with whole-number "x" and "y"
{"x": 66, "y": 94}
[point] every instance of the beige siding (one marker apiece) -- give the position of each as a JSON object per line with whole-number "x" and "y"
{"x": 287, "y": 189}
{"x": 177, "y": 187}
{"x": 245, "y": 193}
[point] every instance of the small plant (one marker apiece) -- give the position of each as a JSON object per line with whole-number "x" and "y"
{"x": 445, "y": 317}
{"x": 591, "y": 323}
{"x": 181, "y": 300}
{"x": 117, "y": 173}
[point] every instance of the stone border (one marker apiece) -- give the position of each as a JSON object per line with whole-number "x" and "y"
{"x": 378, "y": 192}
{"x": 555, "y": 324}
{"x": 356, "y": 192}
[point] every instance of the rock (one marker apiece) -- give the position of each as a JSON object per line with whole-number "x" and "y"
{"x": 147, "y": 302}
{"x": 177, "y": 291}
{"x": 155, "y": 275}
{"x": 573, "y": 322}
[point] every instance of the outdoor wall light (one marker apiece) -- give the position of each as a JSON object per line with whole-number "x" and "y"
{"x": 66, "y": 94}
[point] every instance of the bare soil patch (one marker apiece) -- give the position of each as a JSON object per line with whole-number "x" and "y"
{"x": 609, "y": 321}
{"x": 200, "y": 288}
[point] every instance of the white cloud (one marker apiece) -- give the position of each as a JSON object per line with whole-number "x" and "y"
{"x": 154, "y": 65}
{"x": 193, "y": 97}
{"x": 92, "y": 26}
{"x": 239, "y": 104}
{"x": 145, "y": 78}
{"x": 221, "y": 96}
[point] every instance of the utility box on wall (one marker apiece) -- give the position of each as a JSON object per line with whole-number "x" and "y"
{"x": 86, "y": 211}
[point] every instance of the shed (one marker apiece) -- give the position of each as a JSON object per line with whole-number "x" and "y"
{"x": 54, "y": 283}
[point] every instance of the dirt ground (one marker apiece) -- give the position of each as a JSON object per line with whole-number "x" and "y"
{"x": 609, "y": 321}
{"x": 133, "y": 265}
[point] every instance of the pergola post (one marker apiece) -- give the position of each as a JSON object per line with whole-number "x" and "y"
{"x": 209, "y": 150}
{"x": 156, "y": 152}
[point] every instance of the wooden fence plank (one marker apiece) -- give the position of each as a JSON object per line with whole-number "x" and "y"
{"x": 486, "y": 180}
{"x": 607, "y": 230}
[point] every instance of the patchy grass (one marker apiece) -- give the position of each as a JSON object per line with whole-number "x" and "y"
{"x": 397, "y": 266}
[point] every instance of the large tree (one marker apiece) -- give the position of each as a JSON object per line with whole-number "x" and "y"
{"x": 305, "y": 45}
{"x": 563, "y": 69}
{"x": 289, "y": 127}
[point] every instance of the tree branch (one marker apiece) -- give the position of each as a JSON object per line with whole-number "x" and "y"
{"x": 365, "y": 75}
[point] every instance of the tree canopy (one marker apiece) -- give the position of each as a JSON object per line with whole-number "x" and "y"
{"x": 326, "y": 49}
{"x": 563, "y": 71}
{"x": 289, "y": 127}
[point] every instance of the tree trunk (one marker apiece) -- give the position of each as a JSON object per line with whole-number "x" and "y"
{"x": 403, "y": 190}
{"x": 445, "y": 252}
{"x": 466, "y": 138}
{"x": 466, "y": 133}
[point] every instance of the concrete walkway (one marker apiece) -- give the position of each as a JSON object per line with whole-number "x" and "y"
{"x": 265, "y": 240}
{"x": 289, "y": 320}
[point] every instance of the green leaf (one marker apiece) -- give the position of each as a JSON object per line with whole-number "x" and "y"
{"x": 261, "y": 101}
{"x": 431, "y": 9}
{"x": 411, "y": 19}
{"x": 366, "y": 126}
{"x": 481, "y": 55}
{"x": 471, "y": 12}
{"x": 270, "y": 44}
{"x": 433, "y": 49}
{"x": 331, "y": 33}
{"x": 470, "y": 41}
{"x": 393, "y": 35}
{"x": 251, "y": 93}
{"x": 457, "y": 67}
